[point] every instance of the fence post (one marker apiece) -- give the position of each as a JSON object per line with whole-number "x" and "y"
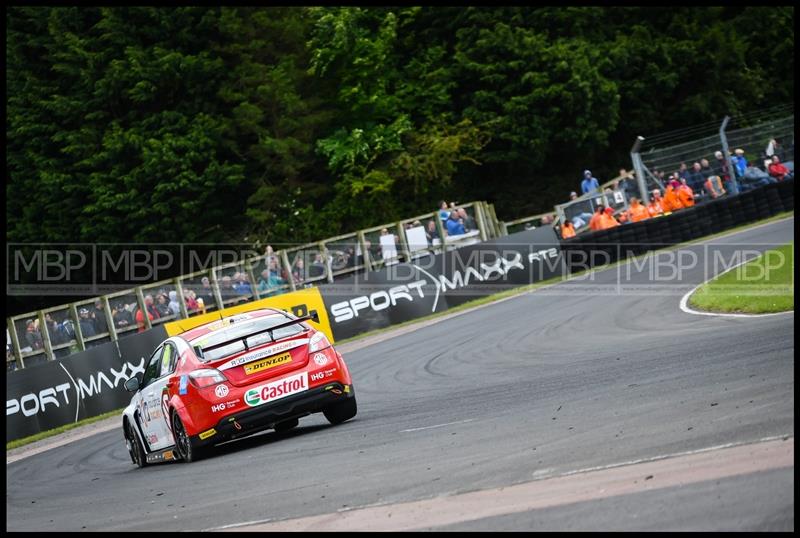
{"x": 289, "y": 274}
{"x": 636, "y": 160}
{"x": 112, "y": 329}
{"x": 365, "y": 257}
{"x": 76, "y": 319}
{"x": 181, "y": 299}
{"x": 727, "y": 154}
{"x": 48, "y": 347}
{"x": 215, "y": 289}
{"x": 12, "y": 331}
{"x": 482, "y": 224}
{"x": 442, "y": 232}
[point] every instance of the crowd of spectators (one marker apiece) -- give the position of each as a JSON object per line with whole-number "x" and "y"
{"x": 681, "y": 189}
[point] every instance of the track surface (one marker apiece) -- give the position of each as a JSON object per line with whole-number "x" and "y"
{"x": 581, "y": 375}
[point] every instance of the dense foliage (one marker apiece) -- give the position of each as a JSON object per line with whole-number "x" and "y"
{"x": 293, "y": 124}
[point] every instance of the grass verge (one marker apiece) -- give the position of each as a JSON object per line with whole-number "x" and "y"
{"x": 762, "y": 286}
{"x": 61, "y": 429}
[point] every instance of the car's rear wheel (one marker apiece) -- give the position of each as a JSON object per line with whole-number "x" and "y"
{"x": 135, "y": 448}
{"x": 183, "y": 444}
{"x": 341, "y": 411}
{"x": 286, "y": 425}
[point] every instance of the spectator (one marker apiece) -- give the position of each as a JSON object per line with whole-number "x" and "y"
{"x": 580, "y": 218}
{"x": 685, "y": 194}
{"x": 190, "y": 299}
{"x": 86, "y": 323}
{"x": 589, "y": 183}
{"x": 655, "y": 207}
{"x": 174, "y": 305}
{"x": 469, "y": 222}
{"x": 317, "y": 268}
{"x": 454, "y": 225}
{"x": 206, "y": 292}
{"x": 683, "y": 172}
{"x": 122, "y": 318}
{"x": 270, "y": 283}
{"x": 637, "y": 212}
{"x": 241, "y": 284}
{"x": 755, "y": 177}
{"x": 695, "y": 178}
{"x": 431, "y": 232}
{"x": 739, "y": 163}
{"x": 596, "y": 222}
{"x": 444, "y": 213}
{"x": 671, "y": 202}
{"x": 162, "y": 305}
{"x": 298, "y": 271}
{"x": 774, "y": 148}
{"x": 778, "y": 170}
{"x": 152, "y": 313}
{"x": 712, "y": 183}
{"x": 607, "y": 219}
{"x": 722, "y": 171}
{"x": 32, "y": 335}
{"x": 99, "y": 319}
{"x": 567, "y": 230}
{"x": 226, "y": 289}
{"x": 53, "y": 329}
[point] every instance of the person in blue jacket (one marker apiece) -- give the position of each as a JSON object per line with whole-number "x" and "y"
{"x": 454, "y": 224}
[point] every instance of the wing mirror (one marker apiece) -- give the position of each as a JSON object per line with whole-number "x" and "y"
{"x": 132, "y": 385}
{"x": 314, "y": 316}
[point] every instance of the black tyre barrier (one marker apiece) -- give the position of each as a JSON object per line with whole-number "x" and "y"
{"x": 705, "y": 218}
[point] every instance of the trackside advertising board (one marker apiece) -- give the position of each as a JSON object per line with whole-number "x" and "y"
{"x": 82, "y": 385}
{"x": 434, "y": 283}
{"x": 300, "y": 303}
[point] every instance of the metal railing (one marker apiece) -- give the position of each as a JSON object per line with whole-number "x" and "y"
{"x": 65, "y": 329}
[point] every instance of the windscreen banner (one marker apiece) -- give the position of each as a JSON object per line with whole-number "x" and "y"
{"x": 82, "y": 385}
{"x": 436, "y": 282}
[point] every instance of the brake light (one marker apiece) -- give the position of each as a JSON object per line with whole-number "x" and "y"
{"x": 206, "y": 377}
{"x": 318, "y": 342}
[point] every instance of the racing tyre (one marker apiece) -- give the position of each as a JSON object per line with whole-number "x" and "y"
{"x": 183, "y": 444}
{"x": 341, "y": 411}
{"x": 135, "y": 448}
{"x": 286, "y": 425}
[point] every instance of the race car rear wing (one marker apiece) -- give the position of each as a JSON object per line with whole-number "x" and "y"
{"x": 202, "y": 350}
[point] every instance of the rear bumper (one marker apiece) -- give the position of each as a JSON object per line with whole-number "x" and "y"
{"x": 265, "y": 416}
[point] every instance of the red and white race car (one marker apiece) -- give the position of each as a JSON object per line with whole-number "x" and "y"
{"x": 230, "y": 378}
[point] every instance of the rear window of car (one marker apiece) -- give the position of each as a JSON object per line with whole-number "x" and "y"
{"x": 243, "y": 328}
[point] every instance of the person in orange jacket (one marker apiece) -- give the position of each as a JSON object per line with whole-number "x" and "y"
{"x": 596, "y": 221}
{"x": 567, "y": 230}
{"x": 656, "y": 205}
{"x": 637, "y": 211}
{"x": 671, "y": 201}
{"x": 685, "y": 194}
{"x": 607, "y": 219}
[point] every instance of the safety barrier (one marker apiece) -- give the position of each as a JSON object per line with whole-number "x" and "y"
{"x": 687, "y": 224}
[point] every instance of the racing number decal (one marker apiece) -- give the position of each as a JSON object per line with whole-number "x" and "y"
{"x": 301, "y": 310}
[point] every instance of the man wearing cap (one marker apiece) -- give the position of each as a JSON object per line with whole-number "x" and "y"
{"x": 589, "y": 183}
{"x": 607, "y": 219}
{"x": 671, "y": 201}
{"x": 86, "y": 323}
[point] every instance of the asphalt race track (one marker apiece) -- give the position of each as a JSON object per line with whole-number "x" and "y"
{"x": 583, "y": 375}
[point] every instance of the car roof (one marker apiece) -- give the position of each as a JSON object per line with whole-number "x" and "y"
{"x": 225, "y": 322}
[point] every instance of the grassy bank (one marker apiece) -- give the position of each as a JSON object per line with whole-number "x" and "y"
{"x": 764, "y": 285}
